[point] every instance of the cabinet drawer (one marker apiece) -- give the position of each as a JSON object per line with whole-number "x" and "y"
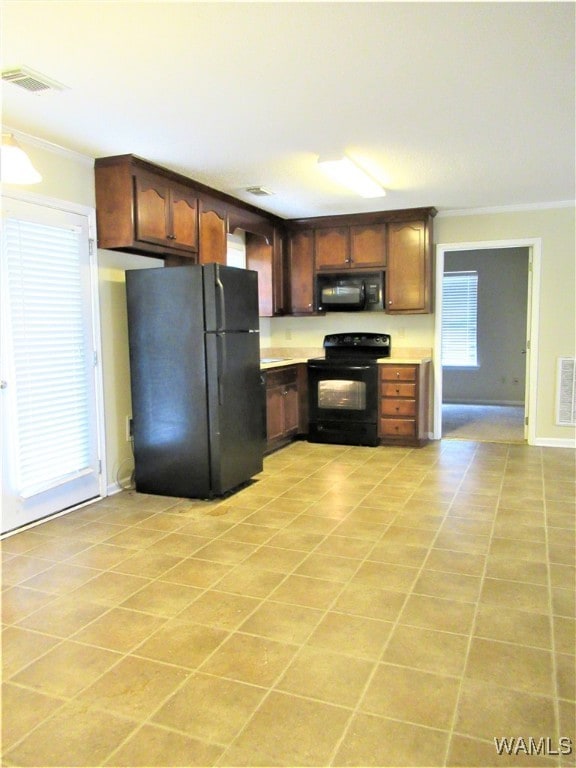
{"x": 390, "y": 389}
{"x": 398, "y": 373}
{"x": 393, "y": 407}
{"x": 398, "y": 427}
{"x": 278, "y": 376}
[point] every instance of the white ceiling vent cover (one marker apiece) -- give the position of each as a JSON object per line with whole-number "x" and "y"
{"x": 31, "y": 81}
{"x": 259, "y": 191}
{"x": 566, "y": 392}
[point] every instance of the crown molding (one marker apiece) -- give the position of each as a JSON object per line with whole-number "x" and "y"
{"x": 49, "y": 146}
{"x": 506, "y": 209}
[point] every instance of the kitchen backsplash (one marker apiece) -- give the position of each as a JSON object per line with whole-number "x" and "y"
{"x": 411, "y": 331}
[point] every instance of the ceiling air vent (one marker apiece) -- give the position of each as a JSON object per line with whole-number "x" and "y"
{"x": 259, "y": 191}
{"x": 26, "y": 78}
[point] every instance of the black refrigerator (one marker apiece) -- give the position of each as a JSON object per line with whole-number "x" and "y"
{"x": 197, "y": 393}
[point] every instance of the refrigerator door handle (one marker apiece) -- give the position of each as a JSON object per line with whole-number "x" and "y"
{"x": 222, "y": 365}
{"x": 221, "y": 302}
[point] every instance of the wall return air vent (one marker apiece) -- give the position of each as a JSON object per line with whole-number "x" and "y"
{"x": 31, "y": 81}
{"x": 566, "y": 392}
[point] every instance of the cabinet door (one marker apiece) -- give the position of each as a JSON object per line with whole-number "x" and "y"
{"x": 212, "y": 235}
{"x": 151, "y": 209}
{"x": 274, "y": 413}
{"x": 291, "y": 409}
{"x": 408, "y": 279}
{"x": 278, "y": 273}
{"x": 332, "y": 248}
{"x": 301, "y": 255}
{"x": 266, "y": 259}
{"x": 282, "y": 405}
{"x": 368, "y": 246}
{"x": 184, "y": 219}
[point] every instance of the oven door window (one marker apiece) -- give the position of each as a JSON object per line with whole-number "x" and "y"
{"x": 342, "y": 394}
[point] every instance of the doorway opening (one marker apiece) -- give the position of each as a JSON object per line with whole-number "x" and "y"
{"x": 488, "y": 394}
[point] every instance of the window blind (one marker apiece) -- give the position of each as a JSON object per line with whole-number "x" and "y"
{"x": 460, "y": 318}
{"x": 45, "y": 293}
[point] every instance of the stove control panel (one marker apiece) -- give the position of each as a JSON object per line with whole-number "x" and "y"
{"x": 354, "y": 340}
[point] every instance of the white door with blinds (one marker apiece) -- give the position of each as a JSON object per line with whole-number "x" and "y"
{"x": 50, "y": 396}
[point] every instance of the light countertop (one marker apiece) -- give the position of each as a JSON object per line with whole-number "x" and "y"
{"x": 400, "y": 357}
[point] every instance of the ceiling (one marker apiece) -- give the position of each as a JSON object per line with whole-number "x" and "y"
{"x": 454, "y": 105}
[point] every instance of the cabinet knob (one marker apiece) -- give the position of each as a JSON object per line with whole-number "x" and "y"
{"x": 389, "y": 301}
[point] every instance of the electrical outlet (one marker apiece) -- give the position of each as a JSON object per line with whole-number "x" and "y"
{"x": 129, "y": 431}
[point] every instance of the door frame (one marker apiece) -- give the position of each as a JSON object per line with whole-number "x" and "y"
{"x": 534, "y": 246}
{"x": 90, "y": 213}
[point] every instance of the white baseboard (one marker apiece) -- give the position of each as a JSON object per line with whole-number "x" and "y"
{"x": 555, "y": 442}
{"x": 483, "y": 402}
{"x": 123, "y": 484}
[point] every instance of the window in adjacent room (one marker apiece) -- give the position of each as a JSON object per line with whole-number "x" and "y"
{"x": 460, "y": 319}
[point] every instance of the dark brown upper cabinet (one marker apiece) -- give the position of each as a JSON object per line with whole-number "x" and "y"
{"x": 350, "y": 247}
{"x": 144, "y": 212}
{"x": 213, "y": 228}
{"x": 144, "y": 208}
{"x": 265, "y": 256}
{"x": 332, "y": 248}
{"x": 409, "y": 274}
{"x": 301, "y": 272}
{"x": 368, "y": 246}
{"x": 165, "y": 214}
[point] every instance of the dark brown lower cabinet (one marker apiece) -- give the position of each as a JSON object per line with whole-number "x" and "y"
{"x": 285, "y": 409}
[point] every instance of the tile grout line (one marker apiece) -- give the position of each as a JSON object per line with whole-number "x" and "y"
{"x": 453, "y": 730}
{"x": 190, "y": 672}
{"x": 551, "y": 615}
{"x": 357, "y": 707}
{"x": 273, "y": 686}
{"x": 215, "y": 650}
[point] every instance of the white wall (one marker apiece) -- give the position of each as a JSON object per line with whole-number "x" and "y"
{"x": 115, "y": 360}
{"x": 406, "y": 331}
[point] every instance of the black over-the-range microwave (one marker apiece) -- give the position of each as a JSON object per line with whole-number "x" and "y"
{"x": 344, "y": 292}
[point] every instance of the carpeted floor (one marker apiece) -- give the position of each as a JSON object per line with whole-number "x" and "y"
{"x": 488, "y": 423}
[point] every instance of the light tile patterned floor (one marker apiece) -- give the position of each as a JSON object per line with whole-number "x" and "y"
{"x": 353, "y": 606}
